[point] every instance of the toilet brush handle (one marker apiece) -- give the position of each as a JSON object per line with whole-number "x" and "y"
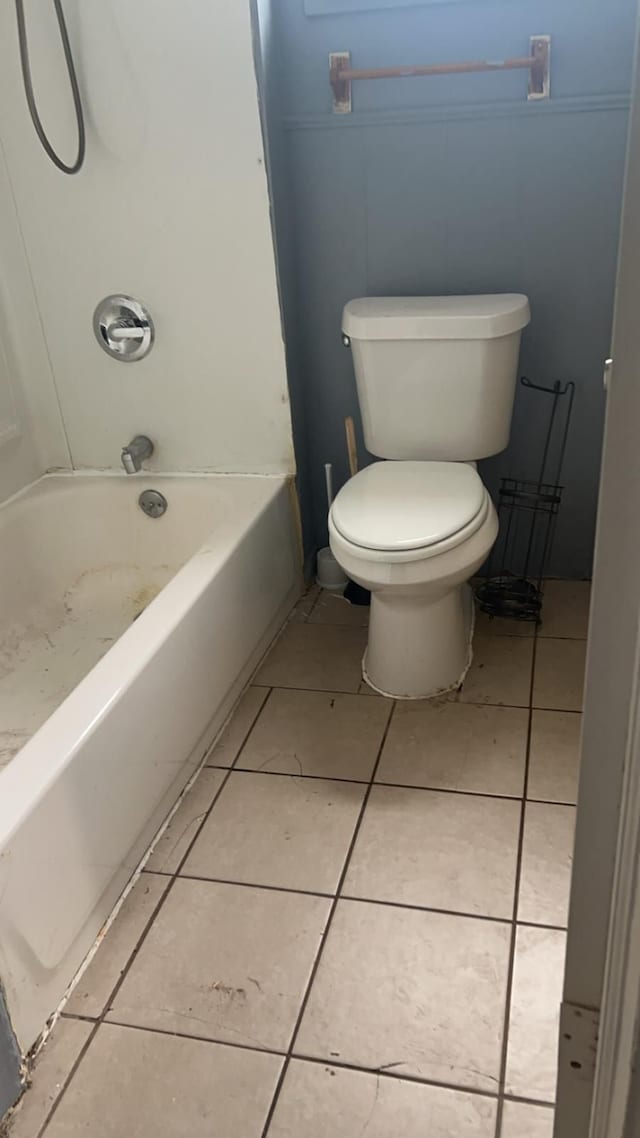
{"x": 352, "y": 452}
{"x": 328, "y": 479}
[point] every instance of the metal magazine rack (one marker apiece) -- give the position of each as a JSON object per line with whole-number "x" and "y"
{"x": 527, "y": 511}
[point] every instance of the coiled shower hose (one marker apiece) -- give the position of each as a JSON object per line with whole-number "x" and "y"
{"x": 29, "y": 92}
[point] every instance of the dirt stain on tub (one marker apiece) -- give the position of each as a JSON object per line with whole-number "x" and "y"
{"x": 57, "y": 641}
{"x": 143, "y": 597}
{"x": 10, "y": 743}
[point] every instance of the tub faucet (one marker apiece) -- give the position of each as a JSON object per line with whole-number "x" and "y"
{"x": 139, "y": 449}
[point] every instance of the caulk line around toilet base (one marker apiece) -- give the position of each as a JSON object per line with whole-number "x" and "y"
{"x": 438, "y": 691}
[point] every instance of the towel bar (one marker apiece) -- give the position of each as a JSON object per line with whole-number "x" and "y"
{"x": 537, "y": 63}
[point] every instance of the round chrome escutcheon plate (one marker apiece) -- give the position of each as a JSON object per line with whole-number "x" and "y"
{"x": 123, "y": 328}
{"x": 153, "y": 503}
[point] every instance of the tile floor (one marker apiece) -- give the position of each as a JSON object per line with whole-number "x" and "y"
{"x": 355, "y": 920}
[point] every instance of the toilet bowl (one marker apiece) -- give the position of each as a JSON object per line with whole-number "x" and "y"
{"x": 436, "y": 382}
{"x": 413, "y": 533}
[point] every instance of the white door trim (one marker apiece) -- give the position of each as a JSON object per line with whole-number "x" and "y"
{"x": 621, "y": 993}
{"x": 602, "y": 977}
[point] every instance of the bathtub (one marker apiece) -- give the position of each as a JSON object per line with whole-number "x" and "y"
{"x": 125, "y": 641}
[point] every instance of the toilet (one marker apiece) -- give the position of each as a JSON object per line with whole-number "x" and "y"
{"x": 436, "y": 382}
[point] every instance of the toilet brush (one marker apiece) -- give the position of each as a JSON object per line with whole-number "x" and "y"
{"x": 329, "y": 574}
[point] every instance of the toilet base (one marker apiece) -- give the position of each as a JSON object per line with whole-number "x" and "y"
{"x": 419, "y": 647}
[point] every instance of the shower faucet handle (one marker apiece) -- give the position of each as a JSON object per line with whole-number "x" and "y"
{"x": 123, "y": 328}
{"x": 120, "y": 330}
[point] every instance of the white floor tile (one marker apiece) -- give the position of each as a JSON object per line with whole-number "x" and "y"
{"x": 422, "y": 993}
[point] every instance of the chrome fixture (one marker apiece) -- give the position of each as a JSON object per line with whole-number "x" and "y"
{"x": 23, "y": 43}
{"x": 138, "y": 451}
{"x": 123, "y": 328}
{"x": 153, "y": 503}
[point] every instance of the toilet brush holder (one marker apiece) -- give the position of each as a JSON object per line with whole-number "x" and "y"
{"x": 330, "y": 575}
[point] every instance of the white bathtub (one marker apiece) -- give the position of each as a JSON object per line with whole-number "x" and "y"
{"x": 119, "y": 710}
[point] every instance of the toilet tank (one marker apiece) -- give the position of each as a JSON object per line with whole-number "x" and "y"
{"x": 436, "y": 375}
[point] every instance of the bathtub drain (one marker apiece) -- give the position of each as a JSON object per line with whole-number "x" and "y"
{"x": 152, "y": 503}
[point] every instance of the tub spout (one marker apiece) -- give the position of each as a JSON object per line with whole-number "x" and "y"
{"x": 138, "y": 450}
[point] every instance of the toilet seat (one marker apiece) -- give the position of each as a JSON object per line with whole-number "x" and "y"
{"x": 406, "y": 511}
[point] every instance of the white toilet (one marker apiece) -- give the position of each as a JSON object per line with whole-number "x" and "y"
{"x": 436, "y": 381}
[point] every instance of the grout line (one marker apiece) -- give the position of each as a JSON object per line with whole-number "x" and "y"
{"x": 141, "y": 939}
{"x": 436, "y": 701}
{"x": 397, "y": 785}
{"x": 327, "y": 928}
{"x": 256, "y": 885}
{"x": 551, "y": 802}
{"x": 449, "y": 912}
{"x": 313, "y": 606}
{"x": 255, "y": 719}
{"x": 530, "y": 1101}
{"x": 297, "y": 774}
{"x": 559, "y": 710}
{"x": 473, "y": 793}
{"x": 487, "y": 634}
{"x": 196, "y": 1038}
{"x": 516, "y": 900}
{"x": 379, "y": 1072}
{"x": 65, "y": 1082}
{"x": 451, "y": 790}
{"x": 360, "y": 900}
{"x": 548, "y": 928}
{"x": 580, "y": 639}
{"x": 317, "y": 1060}
{"x": 423, "y": 909}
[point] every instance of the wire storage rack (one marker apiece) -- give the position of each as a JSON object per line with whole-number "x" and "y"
{"x": 527, "y": 512}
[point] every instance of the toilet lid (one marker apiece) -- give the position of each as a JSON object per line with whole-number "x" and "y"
{"x": 407, "y": 505}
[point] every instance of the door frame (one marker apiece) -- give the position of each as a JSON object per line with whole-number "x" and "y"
{"x": 597, "y": 1081}
{"x": 618, "y": 1040}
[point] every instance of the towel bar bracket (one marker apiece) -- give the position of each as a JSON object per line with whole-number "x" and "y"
{"x": 537, "y": 63}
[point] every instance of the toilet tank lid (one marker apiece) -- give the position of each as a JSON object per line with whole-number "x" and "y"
{"x": 483, "y": 317}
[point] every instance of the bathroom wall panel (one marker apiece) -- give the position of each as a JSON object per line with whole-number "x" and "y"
{"x": 457, "y": 184}
{"x": 31, "y": 435}
{"x": 282, "y": 232}
{"x": 171, "y": 207}
{"x": 9, "y": 427}
{"x": 593, "y": 45}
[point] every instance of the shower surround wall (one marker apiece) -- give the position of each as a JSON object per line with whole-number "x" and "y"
{"x": 171, "y": 207}
{"x": 457, "y": 184}
{"x": 31, "y": 433}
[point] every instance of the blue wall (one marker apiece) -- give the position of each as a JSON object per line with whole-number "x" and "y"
{"x": 447, "y": 185}
{"x": 10, "y": 1084}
